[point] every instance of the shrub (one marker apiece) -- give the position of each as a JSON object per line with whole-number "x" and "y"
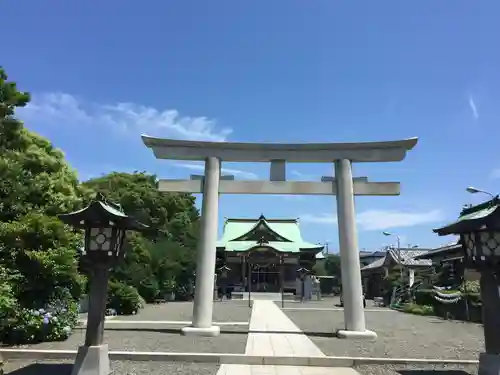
{"x": 148, "y": 289}
{"x": 413, "y": 308}
{"x": 470, "y": 287}
{"x": 123, "y": 299}
{"x": 424, "y": 297}
{"x": 54, "y": 323}
{"x": 8, "y": 303}
{"x": 7, "y": 297}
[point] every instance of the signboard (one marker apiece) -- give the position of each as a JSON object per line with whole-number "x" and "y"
{"x": 263, "y": 256}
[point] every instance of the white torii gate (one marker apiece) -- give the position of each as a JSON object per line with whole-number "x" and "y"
{"x": 343, "y": 185}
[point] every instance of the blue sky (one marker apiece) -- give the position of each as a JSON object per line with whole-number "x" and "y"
{"x": 102, "y": 73}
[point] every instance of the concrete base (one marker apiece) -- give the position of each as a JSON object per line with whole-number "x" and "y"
{"x": 91, "y": 360}
{"x": 357, "y": 335}
{"x": 205, "y": 332}
{"x": 489, "y": 364}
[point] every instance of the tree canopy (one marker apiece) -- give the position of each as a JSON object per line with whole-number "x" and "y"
{"x": 42, "y": 254}
{"x": 163, "y": 256}
{"x": 36, "y": 184}
{"x": 332, "y": 265}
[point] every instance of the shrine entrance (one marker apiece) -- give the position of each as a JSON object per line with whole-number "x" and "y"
{"x": 265, "y": 278}
{"x": 265, "y": 270}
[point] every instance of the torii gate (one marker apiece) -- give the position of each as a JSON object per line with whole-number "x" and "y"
{"x": 343, "y": 185}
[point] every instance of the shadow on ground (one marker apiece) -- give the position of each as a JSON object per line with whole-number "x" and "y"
{"x": 433, "y": 372}
{"x": 44, "y": 368}
{"x": 234, "y": 331}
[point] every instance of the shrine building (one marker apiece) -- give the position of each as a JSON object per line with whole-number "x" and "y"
{"x": 265, "y": 254}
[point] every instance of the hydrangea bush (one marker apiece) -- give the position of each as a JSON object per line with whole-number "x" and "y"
{"x": 53, "y": 323}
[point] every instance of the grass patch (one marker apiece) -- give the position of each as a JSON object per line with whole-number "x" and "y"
{"x": 413, "y": 308}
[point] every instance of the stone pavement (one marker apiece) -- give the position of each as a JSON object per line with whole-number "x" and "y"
{"x": 273, "y": 333}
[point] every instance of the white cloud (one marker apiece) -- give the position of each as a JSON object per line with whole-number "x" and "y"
{"x": 227, "y": 171}
{"x": 64, "y": 109}
{"x": 318, "y": 219}
{"x": 381, "y": 219}
{"x": 495, "y": 174}
{"x": 302, "y": 176}
{"x": 473, "y": 107}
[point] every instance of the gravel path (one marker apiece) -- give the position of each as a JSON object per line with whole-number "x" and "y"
{"x": 399, "y": 335}
{"x": 19, "y": 367}
{"x": 231, "y": 311}
{"x": 417, "y": 370}
{"x": 231, "y": 340}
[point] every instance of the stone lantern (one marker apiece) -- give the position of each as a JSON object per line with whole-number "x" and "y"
{"x": 479, "y": 230}
{"x": 302, "y": 272}
{"x": 223, "y": 280}
{"x": 105, "y": 225}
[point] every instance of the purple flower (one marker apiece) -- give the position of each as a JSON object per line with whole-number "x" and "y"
{"x": 45, "y": 320}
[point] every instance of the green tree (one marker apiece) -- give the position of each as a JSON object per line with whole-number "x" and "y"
{"x": 36, "y": 184}
{"x": 332, "y": 265}
{"x": 167, "y": 214}
{"x": 164, "y": 253}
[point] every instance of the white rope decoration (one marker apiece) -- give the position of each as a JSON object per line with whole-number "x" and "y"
{"x": 447, "y": 301}
{"x": 448, "y": 295}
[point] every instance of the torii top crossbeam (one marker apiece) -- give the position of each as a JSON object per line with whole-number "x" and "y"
{"x": 388, "y": 151}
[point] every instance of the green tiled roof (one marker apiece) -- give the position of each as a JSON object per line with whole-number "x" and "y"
{"x": 288, "y": 230}
{"x": 472, "y": 217}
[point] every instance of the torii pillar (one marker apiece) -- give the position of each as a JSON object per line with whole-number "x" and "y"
{"x": 352, "y": 288}
{"x": 206, "y": 254}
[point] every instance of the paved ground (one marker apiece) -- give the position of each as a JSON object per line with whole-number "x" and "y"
{"x": 118, "y": 368}
{"x": 230, "y": 311}
{"x": 399, "y": 335}
{"x": 267, "y": 319}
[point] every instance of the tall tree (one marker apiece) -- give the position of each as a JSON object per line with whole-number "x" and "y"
{"x": 36, "y": 184}
{"x": 168, "y": 214}
{"x": 164, "y": 253}
{"x": 332, "y": 265}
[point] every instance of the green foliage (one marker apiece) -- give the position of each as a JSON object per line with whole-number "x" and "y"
{"x": 166, "y": 253}
{"x": 332, "y": 265}
{"x": 10, "y": 99}
{"x": 8, "y": 302}
{"x": 424, "y": 297}
{"x": 39, "y": 263}
{"x": 54, "y": 323}
{"x": 169, "y": 215}
{"x": 416, "y": 309}
{"x": 42, "y": 250}
{"x": 471, "y": 287}
{"x": 123, "y": 299}
{"x": 37, "y": 252}
{"x": 319, "y": 269}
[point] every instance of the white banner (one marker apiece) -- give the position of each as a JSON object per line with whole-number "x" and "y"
{"x": 411, "y": 277}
